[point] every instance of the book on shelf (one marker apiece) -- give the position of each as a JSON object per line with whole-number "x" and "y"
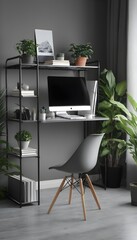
{"x": 15, "y": 92}
{"x": 56, "y": 62}
{"x": 27, "y": 187}
{"x": 25, "y": 152}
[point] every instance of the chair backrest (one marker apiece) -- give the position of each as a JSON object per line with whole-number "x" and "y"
{"x": 85, "y": 157}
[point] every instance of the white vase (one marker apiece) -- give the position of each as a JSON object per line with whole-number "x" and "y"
{"x": 42, "y": 117}
{"x": 24, "y": 144}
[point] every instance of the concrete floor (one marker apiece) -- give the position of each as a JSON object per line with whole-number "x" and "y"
{"x": 115, "y": 221}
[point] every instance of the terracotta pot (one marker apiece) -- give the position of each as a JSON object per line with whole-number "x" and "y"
{"x": 81, "y": 61}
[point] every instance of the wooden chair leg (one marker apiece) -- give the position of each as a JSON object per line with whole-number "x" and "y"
{"x": 71, "y": 187}
{"x": 57, "y": 193}
{"x": 92, "y": 190}
{"x": 82, "y": 197}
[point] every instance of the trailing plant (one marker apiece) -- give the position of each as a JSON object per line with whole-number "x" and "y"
{"x": 127, "y": 122}
{"x": 81, "y": 50}
{"x": 113, "y": 145}
{"x": 6, "y": 166}
{"x": 26, "y": 46}
{"x": 23, "y": 136}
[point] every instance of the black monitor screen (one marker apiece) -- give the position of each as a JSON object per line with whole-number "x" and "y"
{"x": 68, "y": 94}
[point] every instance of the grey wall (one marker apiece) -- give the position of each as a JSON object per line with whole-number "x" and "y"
{"x": 78, "y": 21}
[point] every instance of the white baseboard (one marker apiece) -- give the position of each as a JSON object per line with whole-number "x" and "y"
{"x": 49, "y": 184}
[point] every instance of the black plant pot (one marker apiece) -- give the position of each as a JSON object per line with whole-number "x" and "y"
{"x": 112, "y": 176}
{"x": 133, "y": 190}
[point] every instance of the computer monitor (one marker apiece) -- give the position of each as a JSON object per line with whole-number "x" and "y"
{"x": 67, "y": 94}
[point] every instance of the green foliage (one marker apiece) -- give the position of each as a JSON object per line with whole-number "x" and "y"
{"x": 26, "y": 46}
{"x": 113, "y": 144}
{"x": 127, "y": 121}
{"x": 81, "y": 50}
{"x": 23, "y": 136}
{"x": 5, "y": 165}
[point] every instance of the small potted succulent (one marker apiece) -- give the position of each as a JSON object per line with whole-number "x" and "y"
{"x": 80, "y": 53}
{"x": 42, "y": 115}
{"x": 27, "y": 49}
{"x": 23, "y": 137}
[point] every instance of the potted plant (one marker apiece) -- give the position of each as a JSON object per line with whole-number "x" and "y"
{"x": 42, "y": 115}
{"x": 6, "y": 166}
{"x": 23, "y": 138}
{"x": 80, "y": 53}
{"x": 113, "y": 144}
{"x": 128, "y": 123}
{"x": 27, "y": 49}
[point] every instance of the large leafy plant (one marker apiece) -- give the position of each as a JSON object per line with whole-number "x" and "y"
{"x": 127, "y": 122}
{"x": 5, "y": 166}
{"x": 113, "y": 144}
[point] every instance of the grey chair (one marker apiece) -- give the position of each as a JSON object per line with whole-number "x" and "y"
{"x": 81, "y": 162}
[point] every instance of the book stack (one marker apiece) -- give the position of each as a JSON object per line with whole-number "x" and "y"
{"x": 27, "y": 187}
{"x": 24, "y": 93}
{"x": 28, "y": 152}
{"x": 58, "y": 62}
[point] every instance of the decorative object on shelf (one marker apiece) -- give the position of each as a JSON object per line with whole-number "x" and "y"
{"x": 60, "y": 56}
{"x": 42, "y": 115}
{"x": 5, "y": 165}
{"x": 127, "y": 122}
{"x": 113, "y": 145}
{"x": 27, "y": 49}
{"x": 25, "y": 113}
{"x": 25, "y": 86}
{"x": 80, "y": 53}
{"x": 50, "y": 115}
{"x": 57, "y": 62}
{"x": 45, "y": 47}
{"x": 34, "y": 114}
{"x": 23, "y": 138}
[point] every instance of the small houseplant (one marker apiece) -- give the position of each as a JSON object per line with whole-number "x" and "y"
{"x": 80, "y": 53}
{"x": 127, "y": 121}
{"x": 23, "y": 137}
{"x": 27, "y": 49}
{"x": 6, "y": 166}
{"x": 113, "y": 145}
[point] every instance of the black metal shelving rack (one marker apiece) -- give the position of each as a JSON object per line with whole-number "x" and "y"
{"x": 15, "y": 63}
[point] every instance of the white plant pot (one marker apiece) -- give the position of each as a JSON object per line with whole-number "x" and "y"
{"x": 24, "y": 144}
{"x": 42, "y": 117}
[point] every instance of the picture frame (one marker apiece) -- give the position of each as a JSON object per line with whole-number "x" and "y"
{"x": 45, "y": 46}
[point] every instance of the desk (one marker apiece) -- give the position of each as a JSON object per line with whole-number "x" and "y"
{"x": 58, "y": 119}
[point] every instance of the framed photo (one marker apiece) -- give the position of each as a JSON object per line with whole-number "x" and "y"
{"x": 45, "y": 47}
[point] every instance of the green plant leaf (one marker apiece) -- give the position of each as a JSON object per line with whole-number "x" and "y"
{"x": 121, "y": 88}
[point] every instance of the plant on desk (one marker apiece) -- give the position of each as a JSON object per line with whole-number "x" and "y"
{"x": 23, "y": 138}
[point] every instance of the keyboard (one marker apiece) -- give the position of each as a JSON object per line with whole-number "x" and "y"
{"x": 71, "y": 117}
